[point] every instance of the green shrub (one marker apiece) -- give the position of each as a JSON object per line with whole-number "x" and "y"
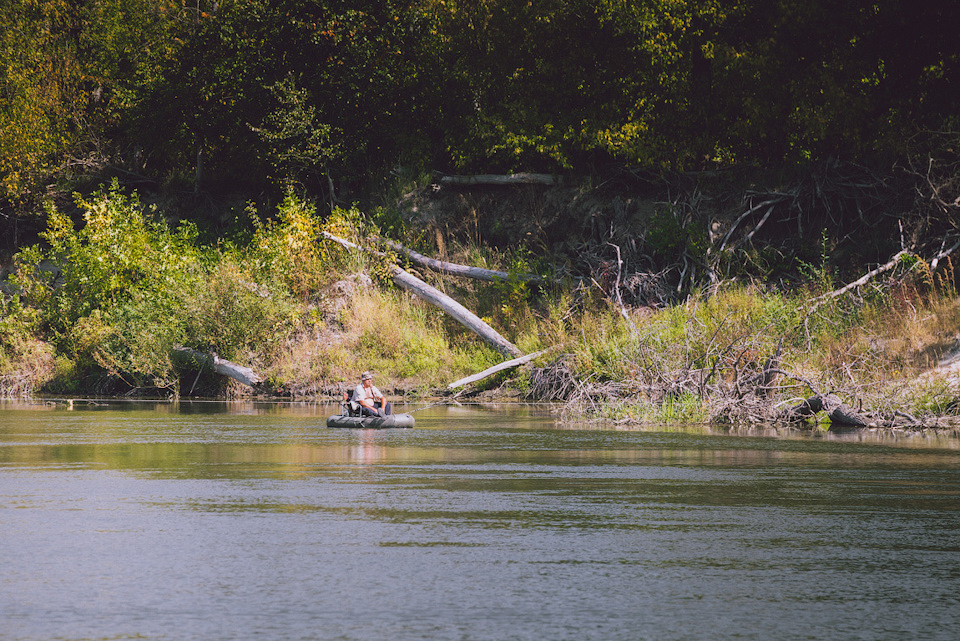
{"x": 236, "y": 316}
{"x": 286, "y": 250}
{"x": 125, "y": 289}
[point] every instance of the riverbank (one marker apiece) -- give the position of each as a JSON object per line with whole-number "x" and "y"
{"x": 703, "y": 361}
{"x": 668, "y": 328}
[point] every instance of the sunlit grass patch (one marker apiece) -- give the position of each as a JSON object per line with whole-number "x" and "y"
{"x": 934, "y": 394}
{"x": 404, "y": 340}
{"x": 307, "y": 366}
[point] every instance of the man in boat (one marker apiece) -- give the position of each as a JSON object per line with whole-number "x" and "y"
{"x": 366, "y": 397}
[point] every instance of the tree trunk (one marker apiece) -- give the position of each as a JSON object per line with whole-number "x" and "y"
{"x": 839, "y": 413}
{"x": 497, "y": 368}
{"x": 502, "y": 179}
{"x": 442, "y": 267}
{"x": 843, "y": 415}
{"x": 434, "y": 296}
{"x": 863, "y": 280}
{"x": 219, "y": 365}
{"x": 804, "y": 410}
{"x": 460, "y": 313}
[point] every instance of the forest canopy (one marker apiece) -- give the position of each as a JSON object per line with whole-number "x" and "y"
{"x": 275, "y": 93}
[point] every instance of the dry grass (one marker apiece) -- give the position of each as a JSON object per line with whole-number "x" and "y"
{"x": 25, "y": 367}
{"x": 704, "y": 358}
{"x": 403, "y": 341}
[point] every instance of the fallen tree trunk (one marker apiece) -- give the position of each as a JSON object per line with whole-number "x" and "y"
{"x": 434, "y": 296}
{"x": 460, "y": 313}
{"x": 346, "y": 243}
{"x": 502, "y": 179}
{"x": 943, "y": 254}
{"x": 443, "y": 267}
{"x": 490, "y": 371}
{"x": 219, "y": 365}
{"x": 839, "y": 413}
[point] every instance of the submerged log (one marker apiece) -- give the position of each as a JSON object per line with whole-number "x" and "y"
{"x": 840, "y": 414}
{"x": 843, "y": 415}
{"x": 805, "y": 409}
{"x": 219, "y": 365}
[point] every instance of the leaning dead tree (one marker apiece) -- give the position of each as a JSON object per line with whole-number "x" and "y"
{"x": 490, "y": 371}
{"x": 431, "y": 294}
{"x": 863, "y": 280}
{"x": 464, "y": 316}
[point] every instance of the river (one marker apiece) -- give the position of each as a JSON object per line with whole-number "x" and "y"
{"x": 237, "y": 521}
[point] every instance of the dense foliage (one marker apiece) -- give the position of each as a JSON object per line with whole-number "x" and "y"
{"x": 312, "y": 92}
{"x": 118, "y": 294}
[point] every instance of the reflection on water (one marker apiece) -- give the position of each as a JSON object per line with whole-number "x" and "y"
{"x": 250, "y": 520}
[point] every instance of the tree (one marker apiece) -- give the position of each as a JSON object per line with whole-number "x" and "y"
{"x": 42, "y": 99}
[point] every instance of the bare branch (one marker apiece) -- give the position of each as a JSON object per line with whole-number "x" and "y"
{"x": 863, "y": 280}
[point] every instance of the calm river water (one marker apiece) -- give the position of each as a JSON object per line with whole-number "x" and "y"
{"x": 247, "y": 521}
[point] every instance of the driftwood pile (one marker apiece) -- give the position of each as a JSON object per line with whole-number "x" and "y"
{"x": 748, "y": 400}
{"x": 16, "y": 385}
{"x": 741, "y": 396}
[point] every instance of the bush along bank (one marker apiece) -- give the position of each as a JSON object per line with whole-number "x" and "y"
{"x": 101, "y": 306}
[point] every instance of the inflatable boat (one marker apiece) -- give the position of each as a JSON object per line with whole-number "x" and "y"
{"x": 371, "y": 422}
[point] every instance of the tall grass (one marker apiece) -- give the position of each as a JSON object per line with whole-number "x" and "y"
{"x": 735, "y": 328}
{"x": 673, "y": 409}
{"x": 398, "y": 338}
